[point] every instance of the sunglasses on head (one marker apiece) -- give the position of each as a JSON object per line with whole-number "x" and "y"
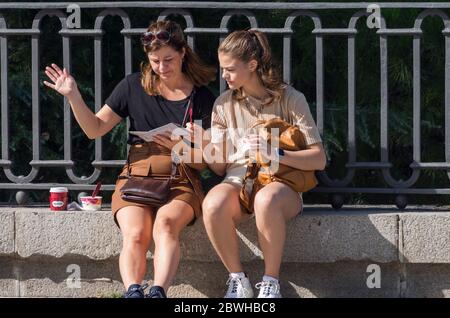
{"x": 148, "y": 37}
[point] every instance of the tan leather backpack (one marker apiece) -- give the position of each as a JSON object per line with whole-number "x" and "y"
{"x": 290, "y": 138}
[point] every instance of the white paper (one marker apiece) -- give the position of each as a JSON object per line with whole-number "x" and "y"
{"x": 169, "y": 129}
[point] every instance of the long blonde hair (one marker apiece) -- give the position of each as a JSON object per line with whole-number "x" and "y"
{"x": 247, "y": 45}
{"x": 195, "y": 70}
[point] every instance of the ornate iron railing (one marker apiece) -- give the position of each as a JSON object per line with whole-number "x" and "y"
{"x": 293, "y": 11}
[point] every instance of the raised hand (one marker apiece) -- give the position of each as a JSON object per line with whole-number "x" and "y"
{"x": 63, "y": 82}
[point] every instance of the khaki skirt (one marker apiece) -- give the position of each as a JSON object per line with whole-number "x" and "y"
{"x": 151, "y": 159}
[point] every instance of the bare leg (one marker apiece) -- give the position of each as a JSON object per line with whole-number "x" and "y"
{"x": 170, "y": 220}
{"x": 136, "y": 226}
{"x": 275, "y": 204}
{"x": 221, "y": 214}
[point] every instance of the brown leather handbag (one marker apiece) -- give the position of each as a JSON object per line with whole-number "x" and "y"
{"x": 290, "y": 138}
{"x": 147, "y": 190}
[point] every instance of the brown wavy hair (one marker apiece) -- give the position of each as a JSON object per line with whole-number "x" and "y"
{"x": 247, "y": 45}
{"x": 196, "y": 71}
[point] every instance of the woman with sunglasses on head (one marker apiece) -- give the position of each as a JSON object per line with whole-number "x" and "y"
{"x": 158, "y": 95}
{"x": 256, "y": 93}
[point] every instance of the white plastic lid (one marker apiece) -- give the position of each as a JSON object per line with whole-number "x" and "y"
{"x": 58, "y": 189}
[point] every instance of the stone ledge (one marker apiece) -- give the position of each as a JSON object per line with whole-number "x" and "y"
{"x": 320, "y": 235}
{"x": 49, "y": 277}
{"x": 6, "y": 232}
{"x": 425, "y": 237}
{"x": 327, "y": 253}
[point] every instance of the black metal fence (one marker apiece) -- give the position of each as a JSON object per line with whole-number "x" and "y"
{"x": 293, "y": 11}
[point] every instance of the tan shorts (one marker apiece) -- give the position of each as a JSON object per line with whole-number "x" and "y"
{"x": 152, "y": 159}
{"x": 235, "y": 177}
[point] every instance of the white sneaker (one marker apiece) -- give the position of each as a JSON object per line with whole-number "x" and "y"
{"x": 239, "y": 287}
{"x": 268, "y": 289}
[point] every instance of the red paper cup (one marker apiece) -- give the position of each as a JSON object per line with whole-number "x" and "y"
{"x": 58, "y": 198}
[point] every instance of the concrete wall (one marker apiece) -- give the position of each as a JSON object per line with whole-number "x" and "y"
{"x": 327, "y": 254}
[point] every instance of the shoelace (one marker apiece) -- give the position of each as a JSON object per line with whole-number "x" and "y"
{"x": 137, "y": 290}
{"x": 233, "y": 282}
{"x": 268, "y": 287}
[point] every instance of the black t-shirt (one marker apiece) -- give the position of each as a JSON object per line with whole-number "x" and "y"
{"x": 147, "y": 112}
